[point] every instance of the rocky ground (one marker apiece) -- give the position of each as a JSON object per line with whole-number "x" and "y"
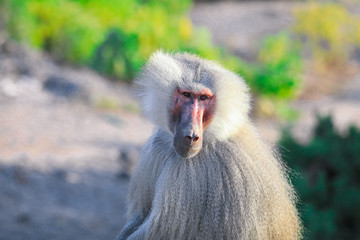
{"x": 241, "y": 26}
{"x": 69, "y": 138}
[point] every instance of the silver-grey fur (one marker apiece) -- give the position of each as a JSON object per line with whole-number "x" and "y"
{"x": 234, "y": 188}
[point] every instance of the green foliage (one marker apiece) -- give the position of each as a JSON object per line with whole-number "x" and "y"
{"x": 76, "y": 30}
{"x": 328, "y": 182}
{"x": 279, "y": 74}
{"x": 117, "y": 54}
{"x": 60, "y": 27}
{"x": 116, "y": 37}
{"x": 330, "y": 31}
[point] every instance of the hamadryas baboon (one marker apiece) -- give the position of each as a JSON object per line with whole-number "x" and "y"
{"x": 205, "y": 173}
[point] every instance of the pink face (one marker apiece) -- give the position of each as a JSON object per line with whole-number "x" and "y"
{"x": 191, "y": 114}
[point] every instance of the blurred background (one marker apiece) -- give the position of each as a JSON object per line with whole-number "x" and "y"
{"x": 71, "y": 130}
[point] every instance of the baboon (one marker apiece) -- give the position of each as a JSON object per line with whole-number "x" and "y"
{"x": 205, "y": 173}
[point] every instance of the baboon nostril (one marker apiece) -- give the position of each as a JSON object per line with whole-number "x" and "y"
{"x": 188, "y": 138}
{"x": 192, "y": 139}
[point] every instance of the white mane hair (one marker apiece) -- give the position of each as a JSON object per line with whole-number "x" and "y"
{"x": 164, "y": 73}
{"x": 236, "y": 187}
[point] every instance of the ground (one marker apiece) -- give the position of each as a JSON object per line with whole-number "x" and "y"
{"x": 69, "y": 138}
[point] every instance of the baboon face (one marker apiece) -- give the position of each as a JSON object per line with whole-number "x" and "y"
{"x": 191, "y": 113}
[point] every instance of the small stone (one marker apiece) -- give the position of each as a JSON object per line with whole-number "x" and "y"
{"x": 128, "y": 156}
{"x": 23, "y": 218}
{"x": 62, "y": 87}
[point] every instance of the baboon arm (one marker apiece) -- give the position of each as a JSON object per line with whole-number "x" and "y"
{"x": 131, "y": 227}
{"x": 139, "y": 233}
{"x": 142, "y": 191}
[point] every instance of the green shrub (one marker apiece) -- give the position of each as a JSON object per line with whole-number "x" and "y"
{"x": 74, "y": 30}
{"x": 327, "y": 181}
{"x": 117, "y": 55}
{"x": 116, "y": 37}
{"x": 330, "y": 31}
{"x": 278, "y": 76}
{"x": 59, "y": 27}
{"x": 279, "y": 73}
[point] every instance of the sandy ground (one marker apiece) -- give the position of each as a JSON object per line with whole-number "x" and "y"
{"x": 69, "y": 138}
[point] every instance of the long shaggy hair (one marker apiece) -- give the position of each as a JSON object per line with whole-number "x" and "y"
{"x": 235, "y": 188}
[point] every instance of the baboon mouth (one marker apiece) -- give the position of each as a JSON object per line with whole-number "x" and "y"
{"x": 195, "y": 148}
{"x": 186, "y": 147}
{"x": 187, "y": 152}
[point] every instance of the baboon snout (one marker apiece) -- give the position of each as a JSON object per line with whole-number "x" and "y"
{"x": 187, "y": 142}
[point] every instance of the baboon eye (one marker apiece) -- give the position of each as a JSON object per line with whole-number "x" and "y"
{"x": 186, "y": 94}
{"x": 203, "y": 97}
